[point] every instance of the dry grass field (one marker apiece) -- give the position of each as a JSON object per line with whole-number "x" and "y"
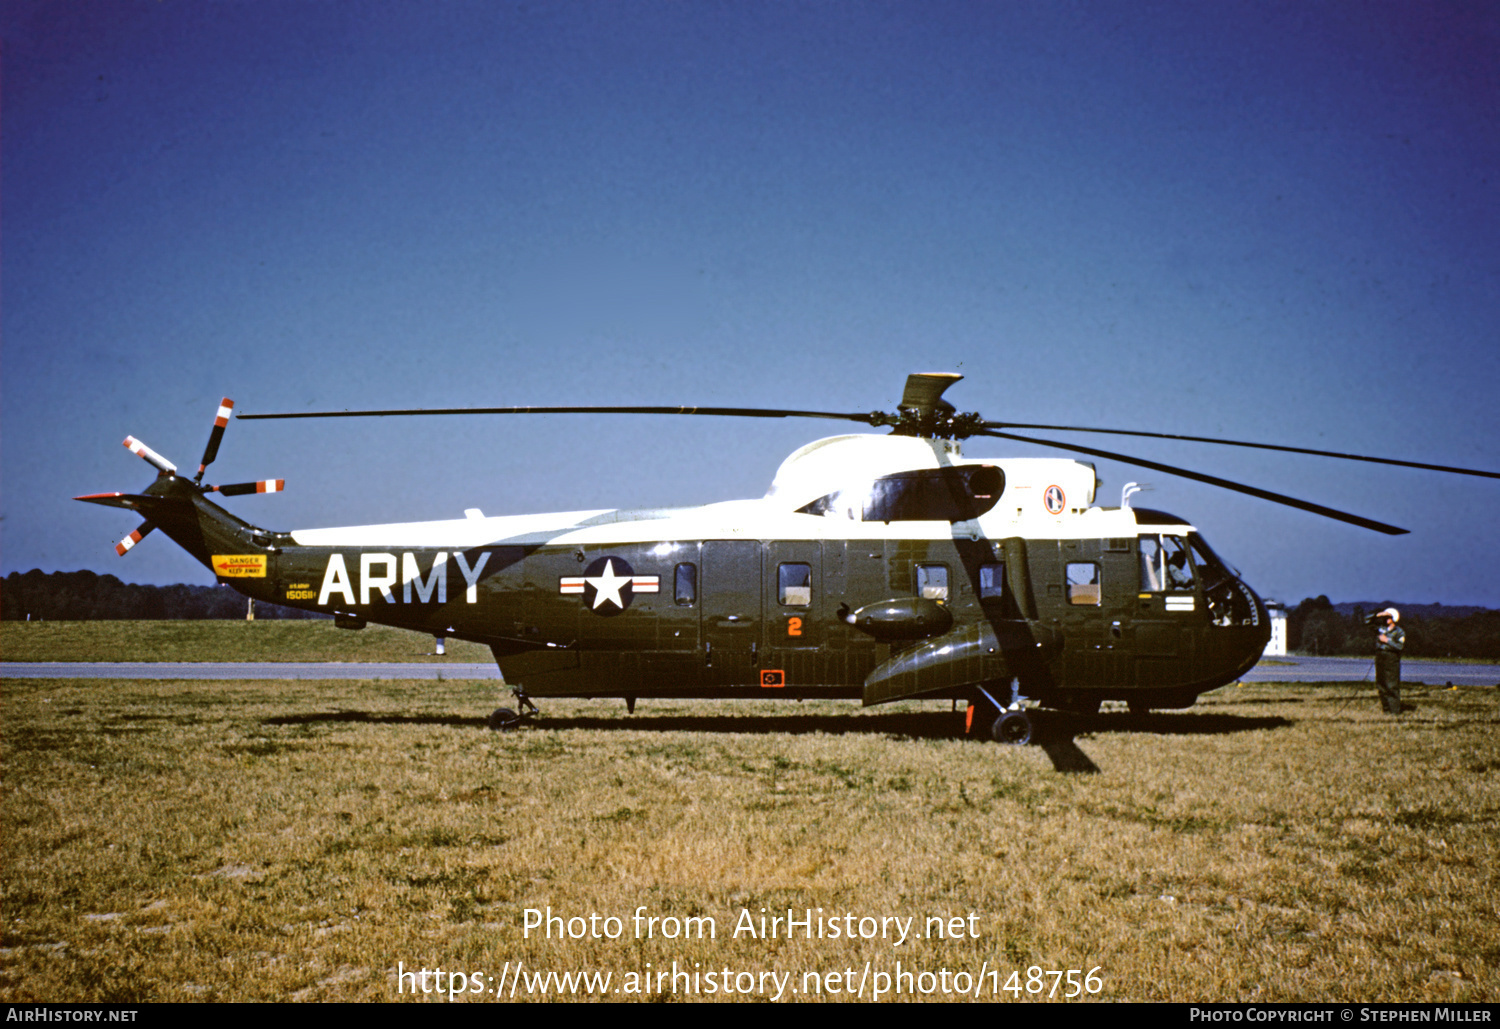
{"x": 306, "y": 840}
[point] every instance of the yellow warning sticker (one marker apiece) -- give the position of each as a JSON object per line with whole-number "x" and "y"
{"x": 240, "y": 566}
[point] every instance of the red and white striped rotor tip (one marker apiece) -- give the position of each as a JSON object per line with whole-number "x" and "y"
{"x": 238, "y": 489}
{"x": 144, "y": 452}
{"x": 124, "y": 546}
{"x": 215, "y": 436}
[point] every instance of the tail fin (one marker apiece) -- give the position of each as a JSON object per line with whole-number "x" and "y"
{"x": 208, "y": 532}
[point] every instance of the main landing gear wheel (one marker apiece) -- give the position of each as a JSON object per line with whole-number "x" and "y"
{"x": 1012, "y": 727}
{"x": 503, "y": 719}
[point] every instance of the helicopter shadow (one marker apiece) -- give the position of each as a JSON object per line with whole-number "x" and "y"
{"x": 1056, "y": 733}
{"x": 346, "y": 717}
{"x": 919, "y": 725}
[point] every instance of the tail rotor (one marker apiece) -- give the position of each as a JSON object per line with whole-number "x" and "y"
{"x": 166, "y": 469}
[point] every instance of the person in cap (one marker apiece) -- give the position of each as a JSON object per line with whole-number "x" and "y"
{"x": 1390, "y": 639}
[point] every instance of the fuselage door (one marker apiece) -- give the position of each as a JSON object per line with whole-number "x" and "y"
{"x": 796, "y": 597}
{"x": 1167, "y": 607}
{"x": 730, "y": 590}
{"x": 1097, "y": 576}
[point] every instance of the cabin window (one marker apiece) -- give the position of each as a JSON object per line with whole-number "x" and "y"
{"x": 932, "y": 582}
{"x": 794, "y": 584}
{"x": 1083, "y": 583}
{"x": 1165, "y": 566}
{"x": 991, "y": 580}
{"x": 687, "y": 584}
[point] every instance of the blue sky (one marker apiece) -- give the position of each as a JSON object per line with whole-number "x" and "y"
{"x": 1265, "y": 221}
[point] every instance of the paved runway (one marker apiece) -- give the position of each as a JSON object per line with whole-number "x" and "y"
{"x": 1280, "y": 669}
{"x": 242, "y": 670}
{"x": 1354, "y": 669}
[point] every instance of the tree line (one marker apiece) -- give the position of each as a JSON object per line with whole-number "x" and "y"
{"x": 1316, "y": 626}
{"x": 86, "y": 596}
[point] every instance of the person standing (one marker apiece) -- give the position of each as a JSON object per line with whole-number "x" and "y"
{"x": 1389, "y": 642}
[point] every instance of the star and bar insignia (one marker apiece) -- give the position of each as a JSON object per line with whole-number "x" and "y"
{"x": 608, "y": 584}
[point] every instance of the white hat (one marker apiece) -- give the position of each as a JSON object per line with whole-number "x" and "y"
{"x": 1390, "y": 612}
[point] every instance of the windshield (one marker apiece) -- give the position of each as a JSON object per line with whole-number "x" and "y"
{"x": 1230, "y": 601}
{"x": 1214, "y": 567}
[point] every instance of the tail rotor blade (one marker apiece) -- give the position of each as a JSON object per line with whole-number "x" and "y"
{"x": 215, "y": 437}
{"x": 239, "y": 489}
{"x": 150, "y": 456}
{"x": 124, "y": 546}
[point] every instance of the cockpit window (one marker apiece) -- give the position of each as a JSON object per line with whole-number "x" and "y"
{"x": 1167, "y": 568}
{"x": 1165, "y": 565}
{"x": 952, "y": 494}
{"x": 1152, "y": 576}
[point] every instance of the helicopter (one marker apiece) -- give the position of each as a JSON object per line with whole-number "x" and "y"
{"x": 880, "y": 568}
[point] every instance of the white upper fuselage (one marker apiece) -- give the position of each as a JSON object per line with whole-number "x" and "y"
{"x": 1042, "y": 498}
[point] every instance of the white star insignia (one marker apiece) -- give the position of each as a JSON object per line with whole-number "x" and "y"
{"x": 608, "y": 585}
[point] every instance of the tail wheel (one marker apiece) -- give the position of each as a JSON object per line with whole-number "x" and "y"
{"x": 1012, "y": 727}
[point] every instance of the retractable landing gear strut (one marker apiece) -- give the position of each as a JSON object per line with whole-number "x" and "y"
{"x": 504, "y": 719}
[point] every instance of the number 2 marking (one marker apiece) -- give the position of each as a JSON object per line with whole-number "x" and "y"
{"x": 794, "y": 627}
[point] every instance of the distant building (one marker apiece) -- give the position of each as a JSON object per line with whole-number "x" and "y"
{"x": 1276, "y": 647}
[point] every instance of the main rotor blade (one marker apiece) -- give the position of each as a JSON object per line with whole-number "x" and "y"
{"x": 732, "y": 412}
{"x": 1242, "y": 443}
{"x": 1238, "y": 487}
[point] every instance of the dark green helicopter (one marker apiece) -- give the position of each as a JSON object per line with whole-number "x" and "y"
{"x": 877, "y": 567}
